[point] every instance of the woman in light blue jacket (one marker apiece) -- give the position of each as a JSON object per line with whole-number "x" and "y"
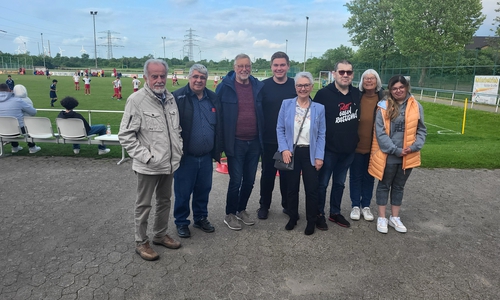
{"x": 309, "y": 151}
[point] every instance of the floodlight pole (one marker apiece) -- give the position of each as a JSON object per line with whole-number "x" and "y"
{"x": 163, "y": 38}
{"x": 286, "y": 47}
{"x": 43, "y": 51}
{"x": 93, "y": 13}
{"x": 305, "y": 47}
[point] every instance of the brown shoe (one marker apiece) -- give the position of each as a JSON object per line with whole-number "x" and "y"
{"x": 146, "y": 252}
{"x": 168, "y": 242}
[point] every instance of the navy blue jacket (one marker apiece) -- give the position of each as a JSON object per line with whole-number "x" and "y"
{"x": 185, "y": 107}
{"x": 226, "y": 93}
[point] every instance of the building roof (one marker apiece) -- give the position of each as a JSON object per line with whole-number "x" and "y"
{"x": 481, "y": 42}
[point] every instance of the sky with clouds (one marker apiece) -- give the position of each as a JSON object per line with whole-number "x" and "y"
{"x": 219, "y": 29}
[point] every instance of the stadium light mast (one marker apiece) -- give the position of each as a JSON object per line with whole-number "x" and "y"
{"x": 163, "y": 38}
{"x": 286, "y": 47}
{"x": 305, "y": 47}
{"x": 43, "y": 51}
{"x": 93, "y": 13}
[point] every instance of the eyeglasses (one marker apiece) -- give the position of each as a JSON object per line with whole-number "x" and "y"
{"x": 199, "y": 77}
{"x": 369, "y": 79}
{"x": 300, "y": 86}
{"x": 343, "y": 72}
{"x": 248, "y": 67}
{"x": 395, "y": 89}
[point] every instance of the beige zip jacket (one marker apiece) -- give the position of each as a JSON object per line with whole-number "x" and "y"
{"x": 150, "y": 132}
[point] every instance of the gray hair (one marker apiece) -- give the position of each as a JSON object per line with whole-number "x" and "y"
{"x": 241, "y": 56}
{"x": 20, "y": 91}
{"x": 154, "y": 61}
{"x": 374, "y": 73}
{"x": 198, "y": 67}
{"x": 304, "y": 75}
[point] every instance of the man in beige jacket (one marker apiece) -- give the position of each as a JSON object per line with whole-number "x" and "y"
{"x": 151, "y": 134}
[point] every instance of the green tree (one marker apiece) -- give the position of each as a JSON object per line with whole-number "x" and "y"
{"x": 430, "y": 27}
{"x": 371, "y": 27}
{"x": 496, "y": 21}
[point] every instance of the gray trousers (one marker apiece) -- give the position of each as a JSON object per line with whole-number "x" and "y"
{"x": 161, "y": 186}
{"x": 394, "y": 181}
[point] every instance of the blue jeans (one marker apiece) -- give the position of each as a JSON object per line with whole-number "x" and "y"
{"x": 335, "y": 165}
{"x": 95, "y": 129}
{"x": 194, "y": 176}
{"x": 360, "y": 181}
{"x": 242, "y": 167}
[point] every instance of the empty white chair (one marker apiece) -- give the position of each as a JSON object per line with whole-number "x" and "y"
{"x": 40, "y": 129}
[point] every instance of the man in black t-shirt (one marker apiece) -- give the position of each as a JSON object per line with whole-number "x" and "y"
{"x": 275, "y": 90}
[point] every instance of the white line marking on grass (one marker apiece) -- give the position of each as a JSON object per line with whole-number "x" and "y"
{"x": 444, "y": 130}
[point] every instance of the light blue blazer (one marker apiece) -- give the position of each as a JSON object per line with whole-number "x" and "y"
{"x": 285, "y": 127}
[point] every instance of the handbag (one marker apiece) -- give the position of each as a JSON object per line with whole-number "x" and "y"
{"x": 279, "y": 164}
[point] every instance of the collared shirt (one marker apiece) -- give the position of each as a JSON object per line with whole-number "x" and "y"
{"x": 203, "y": 129}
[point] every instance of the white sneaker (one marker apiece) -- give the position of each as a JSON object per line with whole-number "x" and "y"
{"x": 103, "y": 151}
{"x": 382, "y": 225}
{"x": 34, "y": 149}
{"x": 76, "y": 151}
{"x": 355, "y": 213}
{"x": 367, "y": 214}
{"x": 16, "y": 149}
{"x": 397, "y": 224}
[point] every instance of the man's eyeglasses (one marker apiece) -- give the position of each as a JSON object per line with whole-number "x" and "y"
{"x": 300, "y": 86}
{"x": 199, "y": 77}
{"x": 343, "y": 72}
{"x": 248, "y": 67}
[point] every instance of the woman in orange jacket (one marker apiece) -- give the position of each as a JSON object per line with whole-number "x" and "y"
{"x": 399, "y": 135}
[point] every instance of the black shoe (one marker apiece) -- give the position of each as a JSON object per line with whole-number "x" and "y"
{"x": 262, "y": 213}
{"x": 321, "y": 223}
{"x": 285, "y": 211}
{"x": 204, "y": 225}
{"x": 340, "y": 220}
{"x": 183, "y": 231}
{"x": 291, "y": 224}
{"x": 310, "y": 228}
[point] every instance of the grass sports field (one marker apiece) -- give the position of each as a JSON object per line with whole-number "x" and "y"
{"x": 445, "y": 147}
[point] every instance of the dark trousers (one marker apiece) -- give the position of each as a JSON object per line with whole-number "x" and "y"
{"x": 193, "y": 177}
{"x": 302, "y": 163}
{"x": 335, "y": 166}
{"x": 242, "y": 167}
{"x": 360, "y": 181}
{"x": 15, "y": 144}
{"x": 268, "y": 176}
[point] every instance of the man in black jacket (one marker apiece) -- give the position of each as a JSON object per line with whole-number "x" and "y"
{"x": 202, "y": 142}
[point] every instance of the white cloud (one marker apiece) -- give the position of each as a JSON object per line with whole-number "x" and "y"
{"x": 267, "y": 44}
{"x": 20, "y": 40}
{"x": 234, "y": 38}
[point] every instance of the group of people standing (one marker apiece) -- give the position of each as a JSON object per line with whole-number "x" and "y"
{"x": 173, "y": 138}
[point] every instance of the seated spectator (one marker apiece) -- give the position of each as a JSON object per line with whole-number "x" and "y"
{"x": 70, "y": 103}
{"x": 11, "y": 106}
{"x": 21, "y": 92}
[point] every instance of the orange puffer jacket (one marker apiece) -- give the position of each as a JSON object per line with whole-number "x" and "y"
{"x": 378, "y": 158}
